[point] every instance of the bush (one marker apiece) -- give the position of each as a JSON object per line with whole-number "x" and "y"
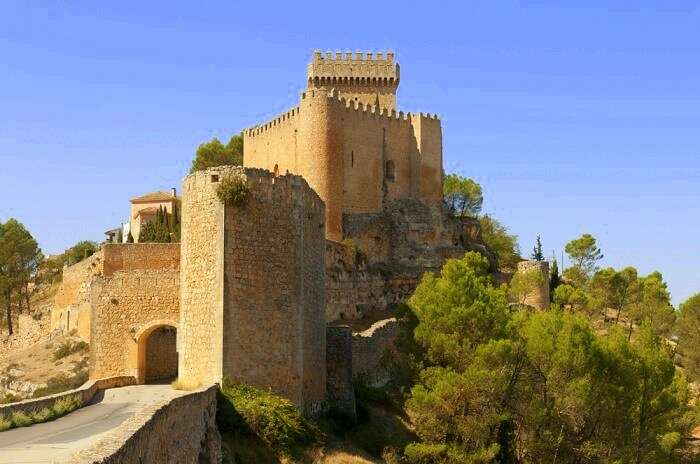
{"x": 233, "y": 190}
{"x": 20, "y": 419}
{"x": 67, "y": 404}
{"x": 69, "y": 347}
{"x": 5, "y": 423}
{"x": 61, "y": 407}
{"x": 275, "y": 420}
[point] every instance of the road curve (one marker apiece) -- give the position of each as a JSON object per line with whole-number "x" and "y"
{"x": 57, "y": 440}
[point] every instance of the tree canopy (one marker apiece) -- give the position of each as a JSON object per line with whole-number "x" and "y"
{"x": 500, "y": 385}
{"x": 214, "y": 153}
{"x": 584, "y": 252}
{"x": 688, "y": 328}
{"x": 500, "y": 241}
{"x": 20, "y": 257}
{"x": 462, "y": 196}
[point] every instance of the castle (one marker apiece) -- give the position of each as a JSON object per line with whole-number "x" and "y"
{"x": 342, "y": 217}
{"x": 348, "y": 141}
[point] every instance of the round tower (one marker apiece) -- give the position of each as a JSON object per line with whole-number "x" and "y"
{"x": 322, "y": 161}
{"x": 539, "y": 296}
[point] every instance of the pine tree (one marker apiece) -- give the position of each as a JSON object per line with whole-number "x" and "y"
{"x": 129, "y": 238}
{"x": 120, "y": 236}
{"x": 537, "y": 251}
{"x": 554, "y": 279}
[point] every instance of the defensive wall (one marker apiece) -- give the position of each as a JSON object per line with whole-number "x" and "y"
{"x": 175, "y": 431}
{"x": 356, "y": 156}
{"x": 252, "y": 285}
{"x": 132, "y": 299}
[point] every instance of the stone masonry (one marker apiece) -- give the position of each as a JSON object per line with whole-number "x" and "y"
{"x": 348, "y": 141}
{"x": 252, "y": 285}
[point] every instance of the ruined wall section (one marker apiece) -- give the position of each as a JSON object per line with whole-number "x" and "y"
{"x": 71, "y": 310}
{"x": 538, "y": 297}
{"x": 372, "y": 351}
{"x": 274, "y": 326}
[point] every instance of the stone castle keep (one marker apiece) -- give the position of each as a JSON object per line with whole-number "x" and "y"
{"x": 348, "y": 141}
{"x": 343, "y": 215}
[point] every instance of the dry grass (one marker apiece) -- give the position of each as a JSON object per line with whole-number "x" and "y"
{"x": 186, "y": 385}
{"x": 342, "y": 457}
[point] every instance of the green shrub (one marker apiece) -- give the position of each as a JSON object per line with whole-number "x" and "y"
{"x": 67, "y": 404}
{"x": 20, "y": 419}
{"x": 233, "y": 190}
{"x": 69, "y": 347}
{"x": 43, "y": 415}
{"x": 275, "y": 420}
{"x": 5, "y": 423}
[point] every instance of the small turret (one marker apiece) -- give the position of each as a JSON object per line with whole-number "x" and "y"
{"x": 368, "y": 78}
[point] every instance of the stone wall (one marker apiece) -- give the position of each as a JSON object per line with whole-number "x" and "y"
{"x": 339, "y": 388}
{"x": 30, "y": 329}
{"x": 372, "y": 349}
{"x": 126, "y": 307}
{"x": 85, "y": 392}
{"x": 71, "y": 310}
{"x": 140, "y": 256}
{"x": 177, "y": 431}
{"x": 253, "y": 275}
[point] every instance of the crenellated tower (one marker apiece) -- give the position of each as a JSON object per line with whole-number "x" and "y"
{"x": 349, "y": 142}
{"x": 367, "y": 78}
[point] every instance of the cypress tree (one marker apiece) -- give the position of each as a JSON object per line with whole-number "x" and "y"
{"x": 537, "y": 251}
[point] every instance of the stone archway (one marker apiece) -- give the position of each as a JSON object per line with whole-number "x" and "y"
{"x": 157, "y": 358}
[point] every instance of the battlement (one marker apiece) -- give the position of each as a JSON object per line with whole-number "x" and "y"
{"x": 353, "y": 68}
{"x": 291, "y": 116}
{"x": 287, "y": 116}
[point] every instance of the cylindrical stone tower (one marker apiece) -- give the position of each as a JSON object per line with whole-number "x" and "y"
{"x": 322, "y": 163}
{"x": 539, "y": 297}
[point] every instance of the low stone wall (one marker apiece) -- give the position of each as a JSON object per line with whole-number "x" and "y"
{"x": 86, "y": 392}
{"x": 370, "y": 350}
{"x": 177, "y": 431}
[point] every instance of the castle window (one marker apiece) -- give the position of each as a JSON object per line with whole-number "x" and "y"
{"x": 389, "y": 171}
{"x": 352, "y": 159}
{"x": 215, "y": 178}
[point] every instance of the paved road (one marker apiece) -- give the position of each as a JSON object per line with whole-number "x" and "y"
{"x": 58, "y": 440}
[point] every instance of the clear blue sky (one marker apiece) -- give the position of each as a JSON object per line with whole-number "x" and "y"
{"x": 576, "y": 118}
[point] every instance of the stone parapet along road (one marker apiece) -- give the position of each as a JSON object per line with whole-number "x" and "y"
{"x": 57, "y": 441}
